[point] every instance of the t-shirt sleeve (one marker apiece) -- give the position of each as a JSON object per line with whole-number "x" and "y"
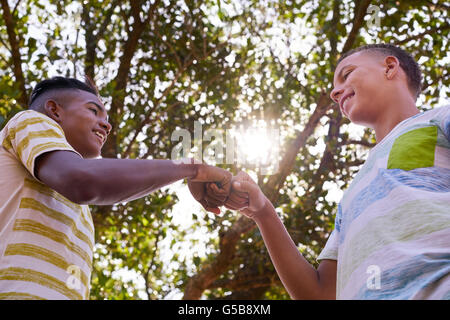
{"x": 331, "y": 247}
{"x": 445, "y": 122}
{"x": 30, "y": 134}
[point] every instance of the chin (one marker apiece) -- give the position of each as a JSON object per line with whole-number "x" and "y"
{"x": 96, "y": 156}
{"x": 362, "y": 120}
{"x": 91, "y": 154}
{"x": 355, "y": 115}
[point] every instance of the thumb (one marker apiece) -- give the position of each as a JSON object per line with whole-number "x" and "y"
{"x": 244, "y": 186}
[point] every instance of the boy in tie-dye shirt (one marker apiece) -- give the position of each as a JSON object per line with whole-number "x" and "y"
{"x": 392, "y": 231}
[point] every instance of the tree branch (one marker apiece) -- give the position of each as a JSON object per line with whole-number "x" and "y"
{"x": 15, "y": 51}
{"x": 436, "y": 81}
{"x": 15, "y": 7}
{"x": 248, "y": 282}
{"x": 169, "y": 45}
{"x": 6, "y": 45}
{"x": 188, "y": 62}
{"x": 439, "y": 5}
{"x": 152, "y": 263}
{"x": 121, "y": 79}
{"x": 355, "y": 163}
{"x": 358, "y": 20}
{"x": 442, "y": 28}
{"x": 359, "y": 142}
{"x": 156, "y": 104}
{"x": 228, "y": 240}
{"x": 91, "y": 38}
{"x": 286, "y": 165}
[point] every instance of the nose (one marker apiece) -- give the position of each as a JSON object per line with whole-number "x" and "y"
{"x": 106, "y": 125}
{"x": 335, "y": 93}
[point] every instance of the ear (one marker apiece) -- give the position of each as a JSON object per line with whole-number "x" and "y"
{"x": 392, "y": 66}
{"x": 53, "y": 110}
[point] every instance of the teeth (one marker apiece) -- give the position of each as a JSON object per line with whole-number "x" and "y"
{"x": 346, "y": 99}
{"x": 345, "y": 102}
{"x": 98, "y": 134}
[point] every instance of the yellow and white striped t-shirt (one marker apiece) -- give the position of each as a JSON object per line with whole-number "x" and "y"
{"x": 46, "y": 241}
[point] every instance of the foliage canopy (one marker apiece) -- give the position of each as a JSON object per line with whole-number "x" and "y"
{"x": 161, "y": 65}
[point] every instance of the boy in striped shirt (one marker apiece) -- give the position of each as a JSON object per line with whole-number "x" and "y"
{"x": 392, "y": 231}
{"x": 50, "y": 170}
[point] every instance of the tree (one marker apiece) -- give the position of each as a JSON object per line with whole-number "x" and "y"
{"x": 161, "y": 65}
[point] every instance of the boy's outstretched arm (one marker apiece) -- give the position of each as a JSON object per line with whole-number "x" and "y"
{"x": 108, "y": 181}
{"x": 301, "y": 279}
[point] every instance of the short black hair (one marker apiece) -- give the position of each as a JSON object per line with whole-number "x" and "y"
{"x": 407, "y": 62}
{"x": 62, "y": 83}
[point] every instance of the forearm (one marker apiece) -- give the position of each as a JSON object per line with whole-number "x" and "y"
{"x": 116, "y": 180}
{"x": 298, "y": 277}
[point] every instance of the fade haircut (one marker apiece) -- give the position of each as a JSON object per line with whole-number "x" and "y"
{"x": 407, "y": 63}
{"x": 60, "y": 83}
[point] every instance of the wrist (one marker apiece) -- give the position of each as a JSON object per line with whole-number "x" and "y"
{"x": 189, "y": 166}
{"x": 192, "y": 171}
{"x": 267, "y": 211}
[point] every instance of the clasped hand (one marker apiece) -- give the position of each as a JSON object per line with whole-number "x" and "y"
{"x": 214, "y": 187}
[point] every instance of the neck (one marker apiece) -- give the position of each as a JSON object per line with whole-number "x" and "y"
{"x": 405, "y": 108}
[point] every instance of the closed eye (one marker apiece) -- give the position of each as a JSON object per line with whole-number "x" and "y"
{"x": 94, "y": 110}
{"x": 346, "y": 75}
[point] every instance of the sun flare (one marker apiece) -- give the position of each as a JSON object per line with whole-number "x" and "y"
{"x": 258, "y": 147}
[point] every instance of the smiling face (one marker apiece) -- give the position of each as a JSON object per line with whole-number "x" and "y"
{"x": 362, "y": 86}
{"x": 83, "y": 118}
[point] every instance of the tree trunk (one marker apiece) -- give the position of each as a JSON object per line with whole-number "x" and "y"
{"x": 228, "y": 241}
{"x": 206, "y": 276}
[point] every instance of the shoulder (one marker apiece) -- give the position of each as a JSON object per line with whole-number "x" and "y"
{"x": 26, "y": 114}
{"x": 30, "y": 119}
{"x": 432, "y": 117}
{"x": 438, "y": 112}
{"x": 30, "y": 114}
{"x": 440, "y": 117}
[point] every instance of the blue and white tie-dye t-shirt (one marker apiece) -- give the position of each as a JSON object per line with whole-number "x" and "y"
{"x": 392, "y": 230}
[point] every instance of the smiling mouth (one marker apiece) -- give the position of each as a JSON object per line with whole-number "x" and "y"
{"x": 345, "y": 102}
{"x": 100, "y": 136}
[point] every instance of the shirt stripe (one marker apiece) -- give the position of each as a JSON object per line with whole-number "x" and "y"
{"x": 43, "y": 254}
{"x": 44, "y": 190}
{"x": 29, "y": 275}
{"x": 44, "y": 147}
{"x": 49, "y": 133}
{"x": 384, "y": 230}
{"x": 19, "y": 296}
{"x": 29, "y": 203}
{"x": 31, "y": 121}
{"x": 407, "y": 278}
{"x": 42, "y": 230}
